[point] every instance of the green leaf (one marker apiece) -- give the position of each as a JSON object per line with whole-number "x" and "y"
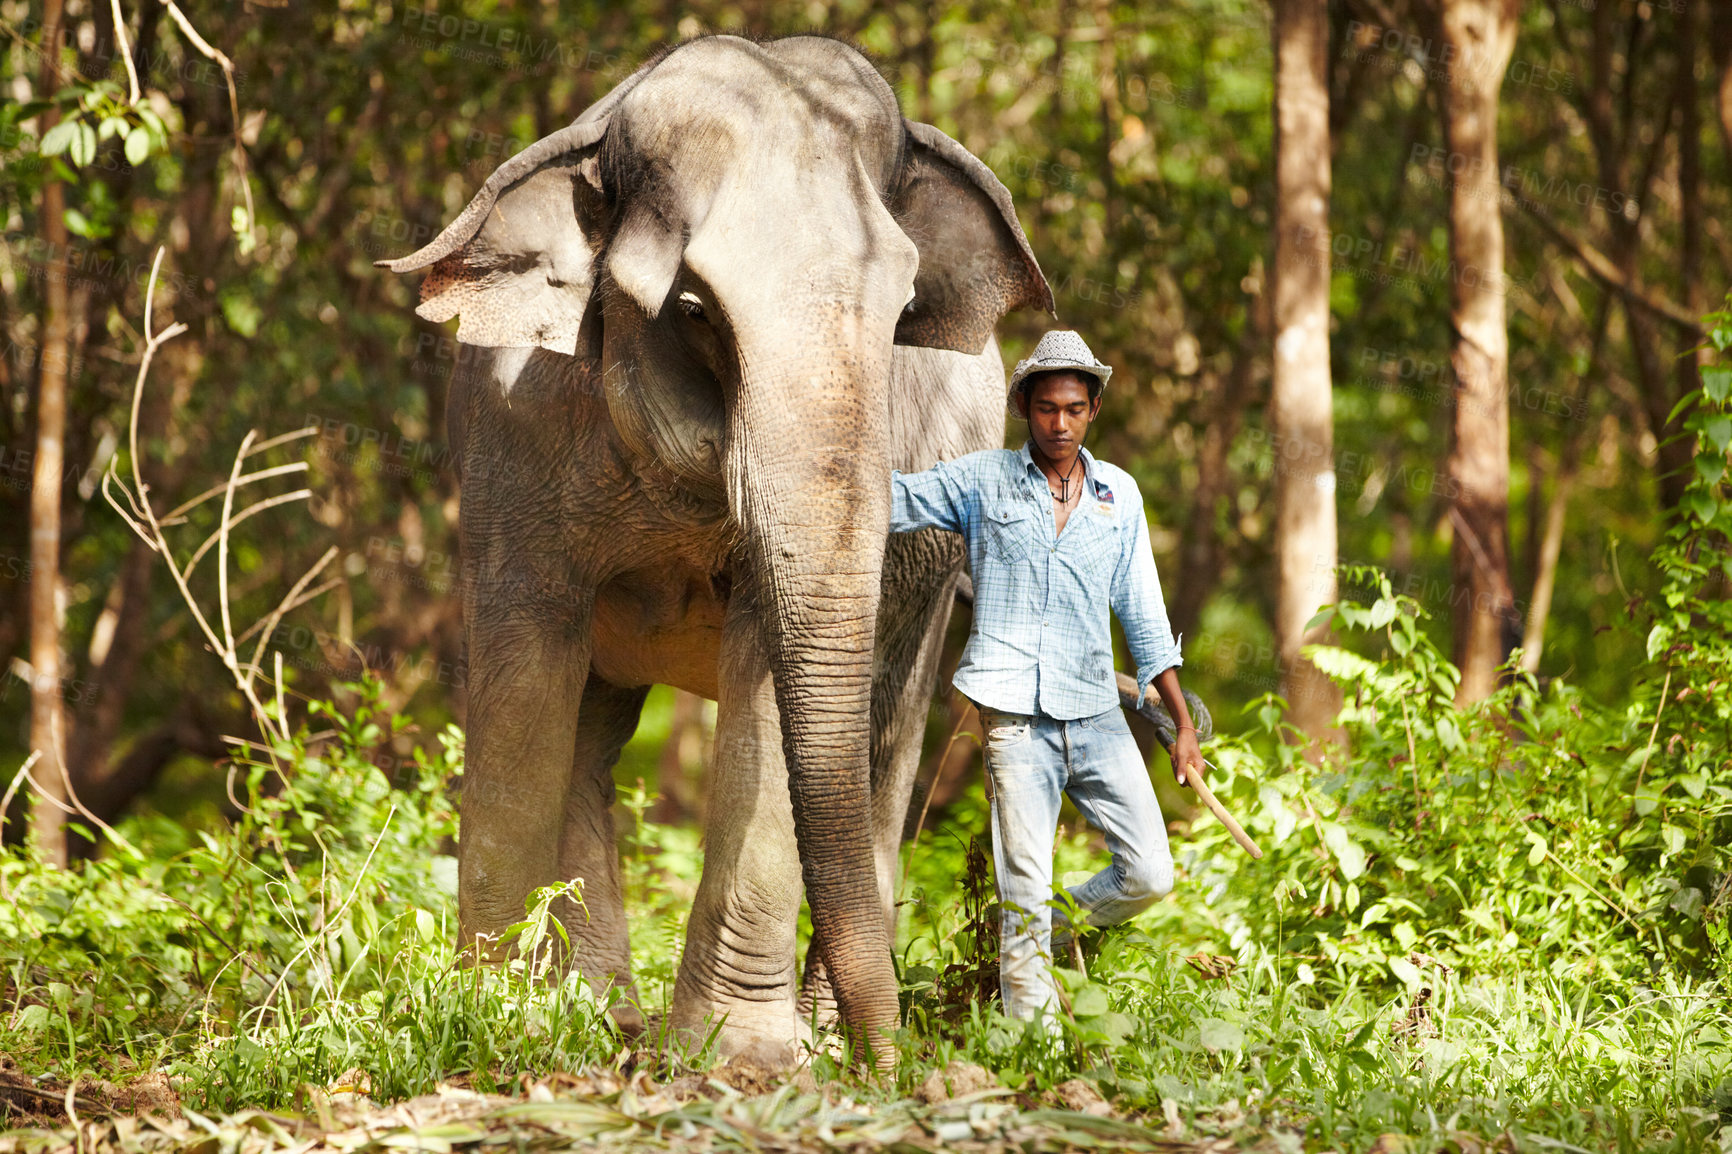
{"x": 425, "y": 927}
{"x": 1717, "y": 382}
{"x": 1537, "y": 850}
{"x": 59, "y": 138}
{"x": 1090, "y": 1000}
{"x": 138, "y": 145}
{"x": 1710, "y": 468}
{"x": 241, "y": 313}
{"x": 1116, "y": 1026}
{"x": 242, "y": 229}
{"x": 79, "y": 224}
{"x": 34, "y": 1019}
{"x": 1219, "y": 1034}
{"x": 1449, "y": 733}
{"x": 1382, "y": 613}
{"x": 83, "y": 148}
{"x": 1702, "y": 504}
{"x": 111, "y": 126}
{"x": 1718, "y": 430}
{"x": 1323, "y": 617}
{"x": 1339, "y": 663}
{"x": 1348, "y": 852}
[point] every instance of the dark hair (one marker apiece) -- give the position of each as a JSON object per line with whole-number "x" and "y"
{"x": 1025, "y": 387}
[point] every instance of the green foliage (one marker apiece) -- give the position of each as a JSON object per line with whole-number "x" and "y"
{"x": 313, "y": 934}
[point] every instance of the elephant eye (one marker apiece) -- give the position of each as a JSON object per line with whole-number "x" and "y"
{"x": 692, "y": 306}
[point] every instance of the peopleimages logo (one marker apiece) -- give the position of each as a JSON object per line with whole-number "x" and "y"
{"x": 1466, "y": 69}
{"x": 1371, "y": 257}
{"x": 464, "y": 38}
{"x": 1527, "y": 186}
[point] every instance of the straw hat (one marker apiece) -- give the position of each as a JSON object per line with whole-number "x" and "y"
{"x": 1059, "y": 349}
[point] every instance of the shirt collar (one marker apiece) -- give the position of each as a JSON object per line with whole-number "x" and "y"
{"x": 1028, "y": 462}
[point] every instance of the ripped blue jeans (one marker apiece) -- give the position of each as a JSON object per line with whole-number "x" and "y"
{"x": 1033, "y": 763}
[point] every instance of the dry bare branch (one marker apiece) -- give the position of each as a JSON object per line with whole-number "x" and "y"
{"x": 228, "y": 68}
{"x": 282, "y": 439}
{"x": 144, "y": 521}
{"x": 178, "y": 514}
{"x": 125, "y": 50}
{"x": 229, "y": 523}
{"x": 287, "y": 604}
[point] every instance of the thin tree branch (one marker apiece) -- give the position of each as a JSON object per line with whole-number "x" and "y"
{"x": 1602, "y": 268}
{"x": 217, "y": 538}
{"x": 125, "y": 52}
{"x": 178, "y": 515}
{"x": 286, "y": 604}
{"x": 228, "y": 68}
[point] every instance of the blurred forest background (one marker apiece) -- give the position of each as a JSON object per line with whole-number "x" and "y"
{"x": 1137, "y": 140}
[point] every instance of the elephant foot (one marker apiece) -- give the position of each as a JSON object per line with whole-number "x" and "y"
{"x": 750, "y": 1048}
{"x": 754, "y": 1035}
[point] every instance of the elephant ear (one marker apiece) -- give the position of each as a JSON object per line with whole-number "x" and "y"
{"x": 519, "y": 263}
{"x": 975, "y": 263}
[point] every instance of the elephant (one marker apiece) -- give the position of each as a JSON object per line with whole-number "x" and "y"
{"x": 698, "y": 328}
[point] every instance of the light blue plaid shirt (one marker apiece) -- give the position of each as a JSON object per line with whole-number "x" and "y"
{"x": 1042, "y": 639}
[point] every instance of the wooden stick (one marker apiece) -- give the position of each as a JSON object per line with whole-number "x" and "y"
{"x": 1129, "y": 696}
{"x": 1239, "y": 835}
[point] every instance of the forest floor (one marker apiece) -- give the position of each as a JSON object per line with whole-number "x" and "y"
{"x": 730, "y": 1108}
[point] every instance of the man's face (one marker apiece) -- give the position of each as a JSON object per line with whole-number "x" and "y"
{"x": 1059, "y": 411}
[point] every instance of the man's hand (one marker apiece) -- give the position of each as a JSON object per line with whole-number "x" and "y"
{"x": 1187, "y": 758}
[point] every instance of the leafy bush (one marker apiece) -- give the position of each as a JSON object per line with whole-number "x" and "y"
{"x": 313, "y": 935}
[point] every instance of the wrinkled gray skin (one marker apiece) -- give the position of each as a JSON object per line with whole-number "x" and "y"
{"x": 700, "y": 326}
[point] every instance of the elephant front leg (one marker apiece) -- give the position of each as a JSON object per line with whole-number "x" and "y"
{"x": 738, "y": 967}
{"x": 601, "y": 945}
{"x": 527, "y": 665}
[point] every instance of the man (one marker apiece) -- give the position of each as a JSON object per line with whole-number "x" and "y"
{"x": 1056, "y": 540}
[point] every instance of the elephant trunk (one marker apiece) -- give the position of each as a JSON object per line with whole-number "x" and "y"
{"x": 809, "y": 483}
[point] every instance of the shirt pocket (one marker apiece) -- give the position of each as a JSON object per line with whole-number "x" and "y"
{"x": 1009, "y": 531}
{"x": 1097, "y": 547}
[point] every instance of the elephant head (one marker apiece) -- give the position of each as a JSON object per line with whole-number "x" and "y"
{"x": 741, "y": 233}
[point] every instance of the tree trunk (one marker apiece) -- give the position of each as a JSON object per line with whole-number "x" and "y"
{"x": 1614, "y": 148}
{"x": 1720, "y": 45}
{"x": 1688, "y": 364}
{"x": 1478, "y": 37}
{"x": 1200, "y": 555}
{"x": 1551, "y": 541}
{"x": 47, "y": 721}
{"x": 1301, "y": 415}
{"x": 1107, "y": 83}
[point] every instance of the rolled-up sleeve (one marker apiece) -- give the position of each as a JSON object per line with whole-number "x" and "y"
{"x": 936, "y": 498}
{"x": 1140, "y": 608}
